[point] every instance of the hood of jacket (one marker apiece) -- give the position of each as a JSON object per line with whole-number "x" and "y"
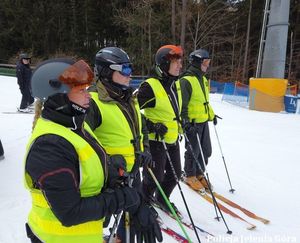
{"x": 110, "y": 92}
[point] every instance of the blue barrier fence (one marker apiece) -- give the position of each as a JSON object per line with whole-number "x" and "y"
{"x": 236, "y": 94}
{"x": 216, "y": 87}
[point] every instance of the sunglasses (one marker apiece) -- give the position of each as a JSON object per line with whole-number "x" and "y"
{"x": 124, "y": 69}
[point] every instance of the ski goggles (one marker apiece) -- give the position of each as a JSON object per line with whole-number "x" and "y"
{"x": 124, "y": 69}
{"x": 77, "y": 74}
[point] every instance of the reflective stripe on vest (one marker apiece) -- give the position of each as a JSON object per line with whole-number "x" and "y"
{"x": 114, "y": 132}
{"x": 163, "y": 111}
{"x": 41, "y": 219}
{"x": 199, "y": 109}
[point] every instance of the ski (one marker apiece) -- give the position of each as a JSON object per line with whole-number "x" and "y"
{"x": 178, "y": 237}
{"x": 184, "y": 221}
{"x": 245, "y": 211}
{"x": 224, "y": 209}
{"x": 15, "y": 112}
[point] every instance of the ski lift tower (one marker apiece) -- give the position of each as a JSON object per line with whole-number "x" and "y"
{"x": 272, "y": 50}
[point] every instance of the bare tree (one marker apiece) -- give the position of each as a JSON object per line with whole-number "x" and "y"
{"x": 183, "y": 23}
{"x": 173, "y": 18}
{"x": 247, "y": 42}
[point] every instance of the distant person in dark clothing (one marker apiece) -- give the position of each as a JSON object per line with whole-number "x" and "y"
{"x": 23, "y": 76}
{"x": 1, "y": 151}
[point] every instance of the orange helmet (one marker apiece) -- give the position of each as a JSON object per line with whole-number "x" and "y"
{"x": 164, "y": 55}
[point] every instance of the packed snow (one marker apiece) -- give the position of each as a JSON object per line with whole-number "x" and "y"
{"x": 261, "y": 151}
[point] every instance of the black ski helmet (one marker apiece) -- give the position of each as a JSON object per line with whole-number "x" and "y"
{"x": 163, "y": 58}
{"x": 196, "y": 57}
{"x": 59, "y": 76}
{"x": 110, "y": 59}
{"x": 24, "y": 56}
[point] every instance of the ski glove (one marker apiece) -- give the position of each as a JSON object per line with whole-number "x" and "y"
{"x": 145, "y": 158}
{"x": 188, "y": 126}
{"x": 145, "y": 225}
{"x": 215, "y": 119}
{"x": 125, "y": 198}
{"x": 159, "y": 128}
{"x": 116, "y": 169}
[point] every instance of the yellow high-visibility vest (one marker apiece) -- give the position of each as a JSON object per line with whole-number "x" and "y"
{"x": 114, "y": 133}
{"x": 199, "y": 109}
{"x": 163, "y": 111}
{"x": 41, "y": 219}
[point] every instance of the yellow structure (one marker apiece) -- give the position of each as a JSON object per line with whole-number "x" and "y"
{"x": 267, "y": 94}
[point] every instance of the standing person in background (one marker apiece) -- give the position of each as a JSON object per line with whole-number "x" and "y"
{"x": 115, "y": 118}
{"x": 1, "y": 151}
{"x": 196, "y": 112}
{"x": 68, "y": 173}
{"x": 160, "y": 98}
{"x": 23, "y": 72}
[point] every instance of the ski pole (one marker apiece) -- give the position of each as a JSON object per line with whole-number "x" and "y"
{"x": 118, "y": 219}
{"x": 114, "y": 228}
{"x": 213, "y": 197}
{"x": 206, "y": 172}
{"x": 169, "y": 204}
{"x": 208, "y": 183}
{"x": 127, "y": 227}
{"x": 197, "y": 162}
{"x": 132, "y": 175}
{"x": 231, "y": 189}
{"x": 182, "y": 195}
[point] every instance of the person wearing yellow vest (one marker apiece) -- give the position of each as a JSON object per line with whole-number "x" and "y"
{"x": 196, "y": 112}
{"x": 70, "y": 177}
{"x": 160, "y": 99}
{"x": 115, "y": 118}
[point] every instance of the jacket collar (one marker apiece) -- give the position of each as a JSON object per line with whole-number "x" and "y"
{"x": 109, "y": 92}
{"x": 59, "y": 110}
{"x": 191, "y": 70}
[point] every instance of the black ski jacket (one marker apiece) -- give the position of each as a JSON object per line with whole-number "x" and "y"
{"x": 23, "y": 73}
{"x": 53, "y": 163}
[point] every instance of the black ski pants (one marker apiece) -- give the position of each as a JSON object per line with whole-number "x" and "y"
{"x": 162, "y": 170}
{"x": 191, "y": 166}
{"x": 27, "y": 99}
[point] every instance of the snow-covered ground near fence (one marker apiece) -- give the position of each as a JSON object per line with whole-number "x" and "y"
{"x": 262, "y": 152}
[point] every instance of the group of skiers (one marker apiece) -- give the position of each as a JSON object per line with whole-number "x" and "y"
{"x": 90, "y": 139}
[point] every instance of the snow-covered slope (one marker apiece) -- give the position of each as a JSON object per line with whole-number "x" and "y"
{"x": 262, "y": 155}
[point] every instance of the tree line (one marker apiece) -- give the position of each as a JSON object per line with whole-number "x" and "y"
{"x": 230, "y": 30}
